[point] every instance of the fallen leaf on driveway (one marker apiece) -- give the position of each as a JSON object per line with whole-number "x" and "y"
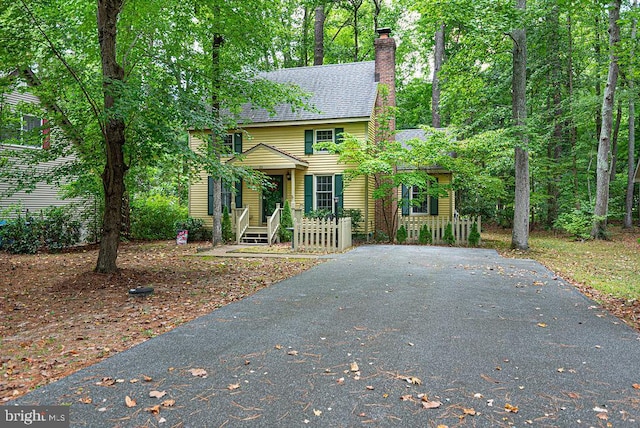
{"x": 130, "y": 402}
{"x": 636, "y": 386}
{"x": 354, "y": 367}
{"x": 602, "y": 416}
{"x": 198, "y": 372}
{"x": 541, "y": 324}
{"x": 86, "y": 400}
{"x": 407, "y": 397}
{"x": 292, "y": 353}
{"x": 317, "y": 412}
{"x": 168, "y": 403}
{"x": 157, "y": 394}
{"x": 511, "y": 409}
{"x": 431, "y": 404}
{"x": 470, "y": 412}
{"x": 340, "y": 381}
{"x": 153, "y": 410}
{"x": 233, "y": 386}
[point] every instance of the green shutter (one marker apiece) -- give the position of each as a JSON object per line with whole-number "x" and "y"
{"x": 210, "y": 195}
{"x": 308, "y": 193}
{"x": 239, "y": 194}
{"x": 405, "y": 200}
{"x": 339, "y": 191}
{"x": 308, "y": 142}
{"x": 237, "y": 142}
{"x": 337, "y": 135}
{"x": 433, "y": 204}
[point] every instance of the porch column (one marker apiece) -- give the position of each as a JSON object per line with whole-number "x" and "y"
{"x": 293, "y": 187}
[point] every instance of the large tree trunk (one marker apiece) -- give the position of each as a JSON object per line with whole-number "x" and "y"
{"x": 599, "y": 228}
{"x": 318, "y": 51}
{"x": 216, "y": 138}
{"x": 113, "y": 134}
{"x": 628, "y": 205}
{"x": 520, "y": 233}
{"x": 438, "y": 58}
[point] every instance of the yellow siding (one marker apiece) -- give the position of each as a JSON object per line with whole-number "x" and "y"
{"x": 446, "y": 205}
{"x": 289, "y": 139}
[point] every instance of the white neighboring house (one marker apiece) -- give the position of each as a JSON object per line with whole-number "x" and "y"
{"x": 11, "y": 141}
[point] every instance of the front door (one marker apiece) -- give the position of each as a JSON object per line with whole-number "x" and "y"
{"x": 272, "y": 196}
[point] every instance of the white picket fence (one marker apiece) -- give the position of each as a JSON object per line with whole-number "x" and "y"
{"x": 461, "y": 227}
{"x": 325, "y": 235}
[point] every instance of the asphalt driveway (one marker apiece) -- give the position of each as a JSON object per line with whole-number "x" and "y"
{"x": 373, "y": 337}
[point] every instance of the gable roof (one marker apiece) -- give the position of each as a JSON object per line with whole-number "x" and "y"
{"x": 337, "y": 91}
{"x": 263, "y": 155}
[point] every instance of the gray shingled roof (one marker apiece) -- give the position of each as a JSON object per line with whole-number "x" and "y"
{"x": 405, "y": 135}
{"x": 338, "y": 91}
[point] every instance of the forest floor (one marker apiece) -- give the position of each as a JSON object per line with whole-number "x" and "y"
{"x": 58, "y": 316}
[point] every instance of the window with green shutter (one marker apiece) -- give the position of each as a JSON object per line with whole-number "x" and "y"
{"x": 308, "y": 142}
{"x": 308, "y": 193}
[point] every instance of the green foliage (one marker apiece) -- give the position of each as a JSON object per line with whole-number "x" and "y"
{"x": 381, "y": 236}
{"x": 401, "y": 235}
{"x": 320, "y": 214}
{"x": 154, "y": 217}
{"x": 577, "y": 223}
{"x": 474, "y": 235}
{"x": 54, "y": 229}
{"x": 448, "y": 237}
{"x": 59, "y": 228}
{"x": 21, "y": 235}
{"x": 196, "y": 228}
{"x": 286, "y": 221}
{"x": 356, "y": 218}
{"x": 227, "y": 229}
{"x": 426, "y": 236}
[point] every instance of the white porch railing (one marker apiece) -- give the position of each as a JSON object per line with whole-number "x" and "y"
{"x": 273, "y": 224}
{"x": 461, "y": 227}
{"x": 327, "y": 235}
{"x": 242, "y": 222}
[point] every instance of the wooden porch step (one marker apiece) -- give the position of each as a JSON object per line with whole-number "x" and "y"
{"x": 255, "y": 235}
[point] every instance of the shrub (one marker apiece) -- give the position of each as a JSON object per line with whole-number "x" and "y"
{"x": 154, "y": 217}
{"x": 474, "y": 235}
{"x": 448, "y": 237}
{"x": 577, "y": 223}
{"x": 59, "y": 228}
{"x": 356, "y": 219}
{"x": 285, "y": 221}
{"x": 381, "y": 236}
{"x": 195, "y": 226}
{"x": 21, "y": 235}
{"x": 321, "y": 214}
{"x": 227, "y": 228}
{"x": 425, "y": 237}
{"x": 401, "y": 235}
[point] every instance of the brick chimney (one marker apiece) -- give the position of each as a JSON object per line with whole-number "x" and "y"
{"x": 385, "y": 73}
{"x": 386, "y": 63}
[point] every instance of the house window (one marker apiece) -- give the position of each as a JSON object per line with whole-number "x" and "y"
{"x": 323, "y": 136}
{"x": 419, "y": 201}
{"x": 24, "y": 129}
{"x": 226, "y": 197}
{"x": 227, "y": 144}
{"x": 324, "y": 192}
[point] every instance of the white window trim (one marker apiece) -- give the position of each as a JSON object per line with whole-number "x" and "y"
{"x": 315, "y": 139}
{"x": 315, "y": 190}
{"x": 230, "y": 149}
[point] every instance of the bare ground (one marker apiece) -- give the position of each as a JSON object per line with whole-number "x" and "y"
{"x": 58, "y": 316}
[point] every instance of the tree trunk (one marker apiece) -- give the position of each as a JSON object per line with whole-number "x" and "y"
{"x": 520, "y": 233}
{"x": 614, "y": 142}
{"x": 599, "y": 228}
{"x": 435, "y": 88}
{"x": 113, "y": 134}
{"x": 318, "y": 51}
{"x": 216, "y": 138}
{"x": 628, "y": 203}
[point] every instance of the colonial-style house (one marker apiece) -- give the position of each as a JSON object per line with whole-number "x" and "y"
{"x": 343, "y": 98}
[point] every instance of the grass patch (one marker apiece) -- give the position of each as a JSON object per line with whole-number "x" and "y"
{"x": 612, "y": 267}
